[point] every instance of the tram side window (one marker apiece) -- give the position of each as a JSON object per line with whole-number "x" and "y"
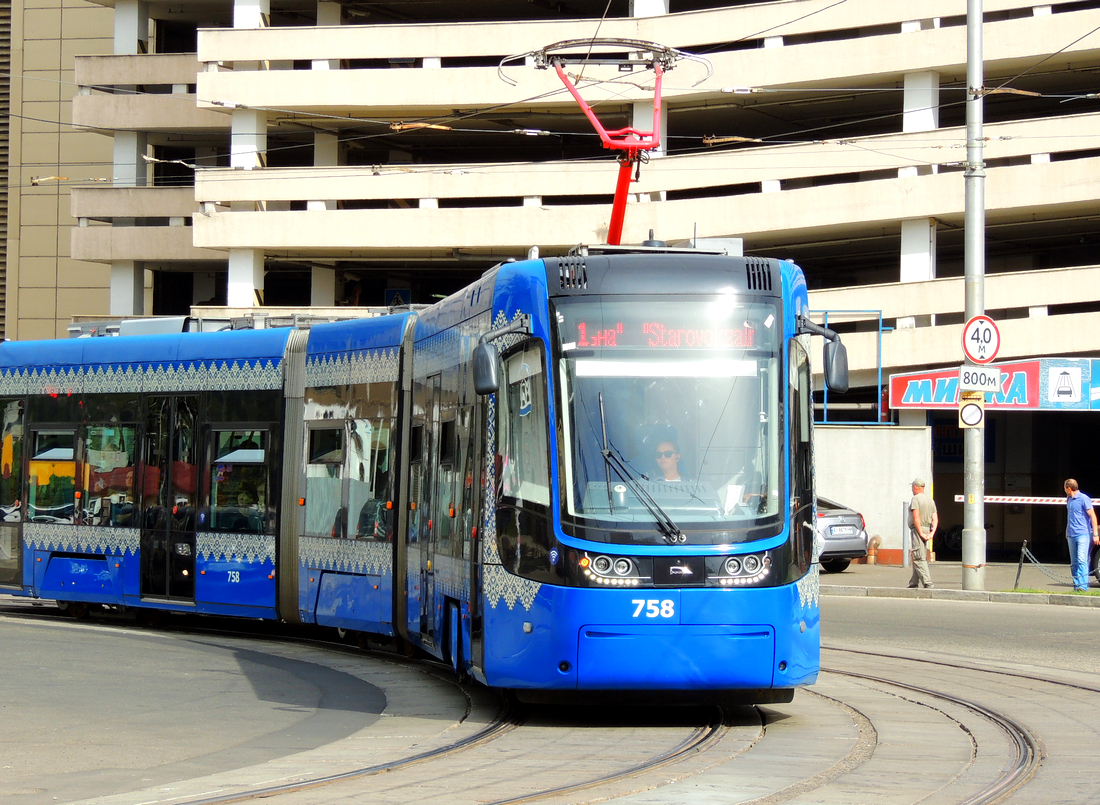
{"x": 445, "y": 485}
{"x": 11, "y": 490}
{"x": 801, "y": 436}
{"x": 238, "y": 483}
{"x": 325, "y": 515}
{"x": 108, "y": 469}
{"x": 368, "y": 469}
{"x": 801, "y": 423}
{"x": 51, "y": 481}
{"x": 522, "y": 437}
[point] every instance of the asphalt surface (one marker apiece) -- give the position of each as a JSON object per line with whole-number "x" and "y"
{"x": 1053, "y": 586}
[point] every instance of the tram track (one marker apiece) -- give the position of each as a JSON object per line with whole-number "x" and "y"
{"x": 1025, "y": 747}
{"x": 1024, "y": 751}
{"x": 511, "y": 717}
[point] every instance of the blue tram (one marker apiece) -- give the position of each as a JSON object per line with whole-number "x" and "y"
{"x": 587, "y": 473}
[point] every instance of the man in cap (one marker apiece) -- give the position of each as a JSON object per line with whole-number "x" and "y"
{"x": 923, "y": 520}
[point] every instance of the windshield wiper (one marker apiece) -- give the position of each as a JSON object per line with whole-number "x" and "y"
{"x": 665, "y": 524}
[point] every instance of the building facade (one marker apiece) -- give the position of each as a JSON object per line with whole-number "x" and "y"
{"x": 292, "y": 152}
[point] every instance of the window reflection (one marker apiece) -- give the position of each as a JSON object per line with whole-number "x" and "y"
{"x": 109, "y": 452}
{"x": 238, "y": 482}
{"x": 51, "y": 477}
{"x": 369, "y": 478}
{"x": 325, "y": 517}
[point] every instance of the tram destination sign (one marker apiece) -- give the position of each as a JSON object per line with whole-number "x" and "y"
{"x": 980, "y": 378}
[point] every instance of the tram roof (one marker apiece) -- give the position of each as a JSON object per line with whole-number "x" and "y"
{"x": 355, "y": 335}
{"x": 230, "y": 345}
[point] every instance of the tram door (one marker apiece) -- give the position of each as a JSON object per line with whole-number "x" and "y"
{"x": 169, "y": 499}
{"x": 430, "y": 515}
{"x": 11, "y": 493}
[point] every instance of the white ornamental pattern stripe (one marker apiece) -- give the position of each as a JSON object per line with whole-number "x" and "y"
{"x": 378, "y": 366}
{"x": 452, "y": 576}
{"x": 257, "y": 375}
{"x": 81, "y": 539}
{"x": 252, "y": 548}
{"x": 346, "y": 555}
{"x": 500, "y": 585}
{"x": 809, "y": 588}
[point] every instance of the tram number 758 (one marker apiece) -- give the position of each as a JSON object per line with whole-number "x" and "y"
{"x": 652, "y": 608}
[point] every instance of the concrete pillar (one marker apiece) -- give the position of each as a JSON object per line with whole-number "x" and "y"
{"x": 642, "y": 112}
{"x": 130, "y": 168}
{"x": 131, "y": 27}
{"x": 328, "y": 14}
{"x": 326, "y": 154}
{"x": 918, "y": 260}
{"x": 921, "y": 102}
{"x": 127, "y": 288}
{"x": 246, "y": 278}
{"x": 251, "y": 13}
{"x": 912, "y": 418}
{"x": 322, "y": 290}
{"x": 648, "y": 8}
{"x": 920, "y": 112}
{"x": 248, "y": 139}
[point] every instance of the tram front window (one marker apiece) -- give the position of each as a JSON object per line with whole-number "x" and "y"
{"x": 671, "y": 410}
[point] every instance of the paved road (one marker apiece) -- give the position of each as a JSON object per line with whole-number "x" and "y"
{"x": 90, "y": 710}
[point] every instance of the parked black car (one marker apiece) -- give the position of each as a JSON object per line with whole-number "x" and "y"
{"x": 843, "y": 535}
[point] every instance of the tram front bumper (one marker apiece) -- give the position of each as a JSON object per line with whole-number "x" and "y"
{"x": 647, "y": 657}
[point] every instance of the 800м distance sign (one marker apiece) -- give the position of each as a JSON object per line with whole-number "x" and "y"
{"x": 979, "y": 378}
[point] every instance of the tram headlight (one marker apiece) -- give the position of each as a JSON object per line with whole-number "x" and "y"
{"x": 751, "y": 564}
{"x": 602, "y": 565}
{"x": 623, "y": 567}
{"x": 733, "y": 566}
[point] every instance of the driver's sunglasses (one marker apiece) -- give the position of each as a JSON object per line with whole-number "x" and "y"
{"x": 665, "y": 453}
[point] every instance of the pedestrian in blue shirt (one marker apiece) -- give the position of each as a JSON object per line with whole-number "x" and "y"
{"x": 1080, "y": 524}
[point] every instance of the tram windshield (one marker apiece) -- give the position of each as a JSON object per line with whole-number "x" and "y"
{"x": 670, "y": 415}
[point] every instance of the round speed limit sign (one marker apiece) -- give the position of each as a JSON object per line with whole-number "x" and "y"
{"x": 981, "y": 339}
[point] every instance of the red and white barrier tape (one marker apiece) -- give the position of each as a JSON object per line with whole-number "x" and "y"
{"x": 1023, "y": 499}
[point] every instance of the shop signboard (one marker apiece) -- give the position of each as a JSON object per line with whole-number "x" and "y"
{"x": 1039, "y": 384}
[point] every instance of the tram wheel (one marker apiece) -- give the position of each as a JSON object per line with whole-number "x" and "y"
{"x": 151, "y": 617}
{"x": 77, "y": 609}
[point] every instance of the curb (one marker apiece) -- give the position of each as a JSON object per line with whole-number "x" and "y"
{"x": 1057, "y": 599}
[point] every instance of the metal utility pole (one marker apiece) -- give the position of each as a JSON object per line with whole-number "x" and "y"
{"x": 973, "y": 535}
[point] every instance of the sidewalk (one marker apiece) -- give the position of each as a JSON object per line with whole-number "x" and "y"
{"x": 891, "y": 581}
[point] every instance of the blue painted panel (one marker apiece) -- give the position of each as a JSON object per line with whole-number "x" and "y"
{"x": 231, "y": 610}
{"x": 15, "y": 354}
{"x": 234, "y": 582}
{"x": 611, "y": 642}
{"x": 349, "y": 601}
{"x": 232, "y": 344}
{"x": 646, "y": 657}
{"x": 83, "y": 578}
{"x": 358, "y": 334}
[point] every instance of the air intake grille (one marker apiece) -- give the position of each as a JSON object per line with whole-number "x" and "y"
{"x": 758, "y": 274}
{"x": 573, "y": 273}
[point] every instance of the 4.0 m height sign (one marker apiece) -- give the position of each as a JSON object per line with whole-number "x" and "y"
{"x": 981, "y": 339}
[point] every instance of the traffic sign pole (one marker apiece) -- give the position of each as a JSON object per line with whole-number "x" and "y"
{"x": 973, "y": 535}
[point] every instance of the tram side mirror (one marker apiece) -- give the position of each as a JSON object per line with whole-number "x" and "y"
{"x": 836, "y": 366}
{"x": 486, "y": 369}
